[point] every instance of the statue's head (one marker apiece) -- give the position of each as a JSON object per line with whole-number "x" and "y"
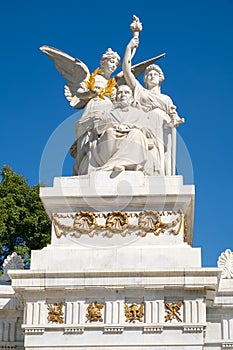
{"x": 153, "y": 76}
{"x": 110, "y": 60}
{"x": 124, "y": 96}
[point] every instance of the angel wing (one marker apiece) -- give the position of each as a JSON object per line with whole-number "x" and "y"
{"x": 137, "y": 69}
{"x": 72, "y": 69}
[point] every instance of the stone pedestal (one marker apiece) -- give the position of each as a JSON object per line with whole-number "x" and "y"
{"x": 121, "y": 271}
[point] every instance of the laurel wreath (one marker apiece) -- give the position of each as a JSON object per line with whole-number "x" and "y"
{"x": 111, "y": 83}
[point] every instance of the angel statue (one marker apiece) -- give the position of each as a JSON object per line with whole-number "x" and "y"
{"x": 96, "y": 93}
{"x": 81, "y": 86}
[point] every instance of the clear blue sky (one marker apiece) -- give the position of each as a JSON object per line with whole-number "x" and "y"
{"x": 197, "y": 37}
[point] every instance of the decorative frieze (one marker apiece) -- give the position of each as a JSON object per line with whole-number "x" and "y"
{"x": 119, "y": 222}
{"x": 149, "y": 312}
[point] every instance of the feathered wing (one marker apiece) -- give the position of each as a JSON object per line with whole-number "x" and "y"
{"x": 137, "y": 69}
{"x": 72, "y": 69}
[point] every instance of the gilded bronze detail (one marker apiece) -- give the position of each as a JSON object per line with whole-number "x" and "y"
{"x": 85, "y": 220}
{"x": 185, "y": 230}
{"x": 151, "y": 221}
{"x": 119, "y": 222}
{"x": 94, "y": 313}
{"x": 55, "y": 313}
{"x": 173, "y": 311}
{"x": 134, "y": 312}
{"x": 90, "y": 84}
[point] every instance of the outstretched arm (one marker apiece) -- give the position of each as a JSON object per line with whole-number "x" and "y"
{"x": 126, "y": 65}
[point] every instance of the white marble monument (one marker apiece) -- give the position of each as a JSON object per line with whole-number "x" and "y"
{"x": 120, "y": 272}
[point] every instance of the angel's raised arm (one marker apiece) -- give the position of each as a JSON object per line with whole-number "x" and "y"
{"x": 127, "y": 65}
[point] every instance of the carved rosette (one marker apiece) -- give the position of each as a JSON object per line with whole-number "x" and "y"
{"x": 119, "y": 222}
{"x": 225, "y": 263}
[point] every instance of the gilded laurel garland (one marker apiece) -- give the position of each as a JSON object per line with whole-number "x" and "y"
{"x": 90, "y": 84}
{"x": 119, "y": 222}
{"x": 85, "y": 220}
{"x": 185, "y": 233}
{"x": 151, "y": 221}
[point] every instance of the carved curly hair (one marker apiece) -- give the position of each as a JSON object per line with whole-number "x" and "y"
{"x": 108, "y": 55}
{"x": 157, "y": 69}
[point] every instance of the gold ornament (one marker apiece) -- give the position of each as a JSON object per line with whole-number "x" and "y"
{"x": 90, "y": 84}
{"x": 94, "y": 313}
{"x": 173, "y": 311}
{"x": 134, "y": 312}
{"x": 55, "y": 314}
{"x": 151, "y": 221}
{"x": 85, "y": 220}
{"x": 119, "y": 222}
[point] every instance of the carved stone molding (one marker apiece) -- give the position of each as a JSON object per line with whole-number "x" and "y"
{"x": 225, "y": 263}
{"x": 34, "y": 330}
{"x": 193, "y": 329}
{"x": 227, "y": 345}
{"x": 74, "y": 330}
{"x": 152, "y": 329}
{"x": 119, "y": 222}
{"x": 12, "y": 262}
{"x": 113, "y": 329}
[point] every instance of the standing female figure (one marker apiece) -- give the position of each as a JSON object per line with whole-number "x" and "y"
{"x": 161, "y": 112}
